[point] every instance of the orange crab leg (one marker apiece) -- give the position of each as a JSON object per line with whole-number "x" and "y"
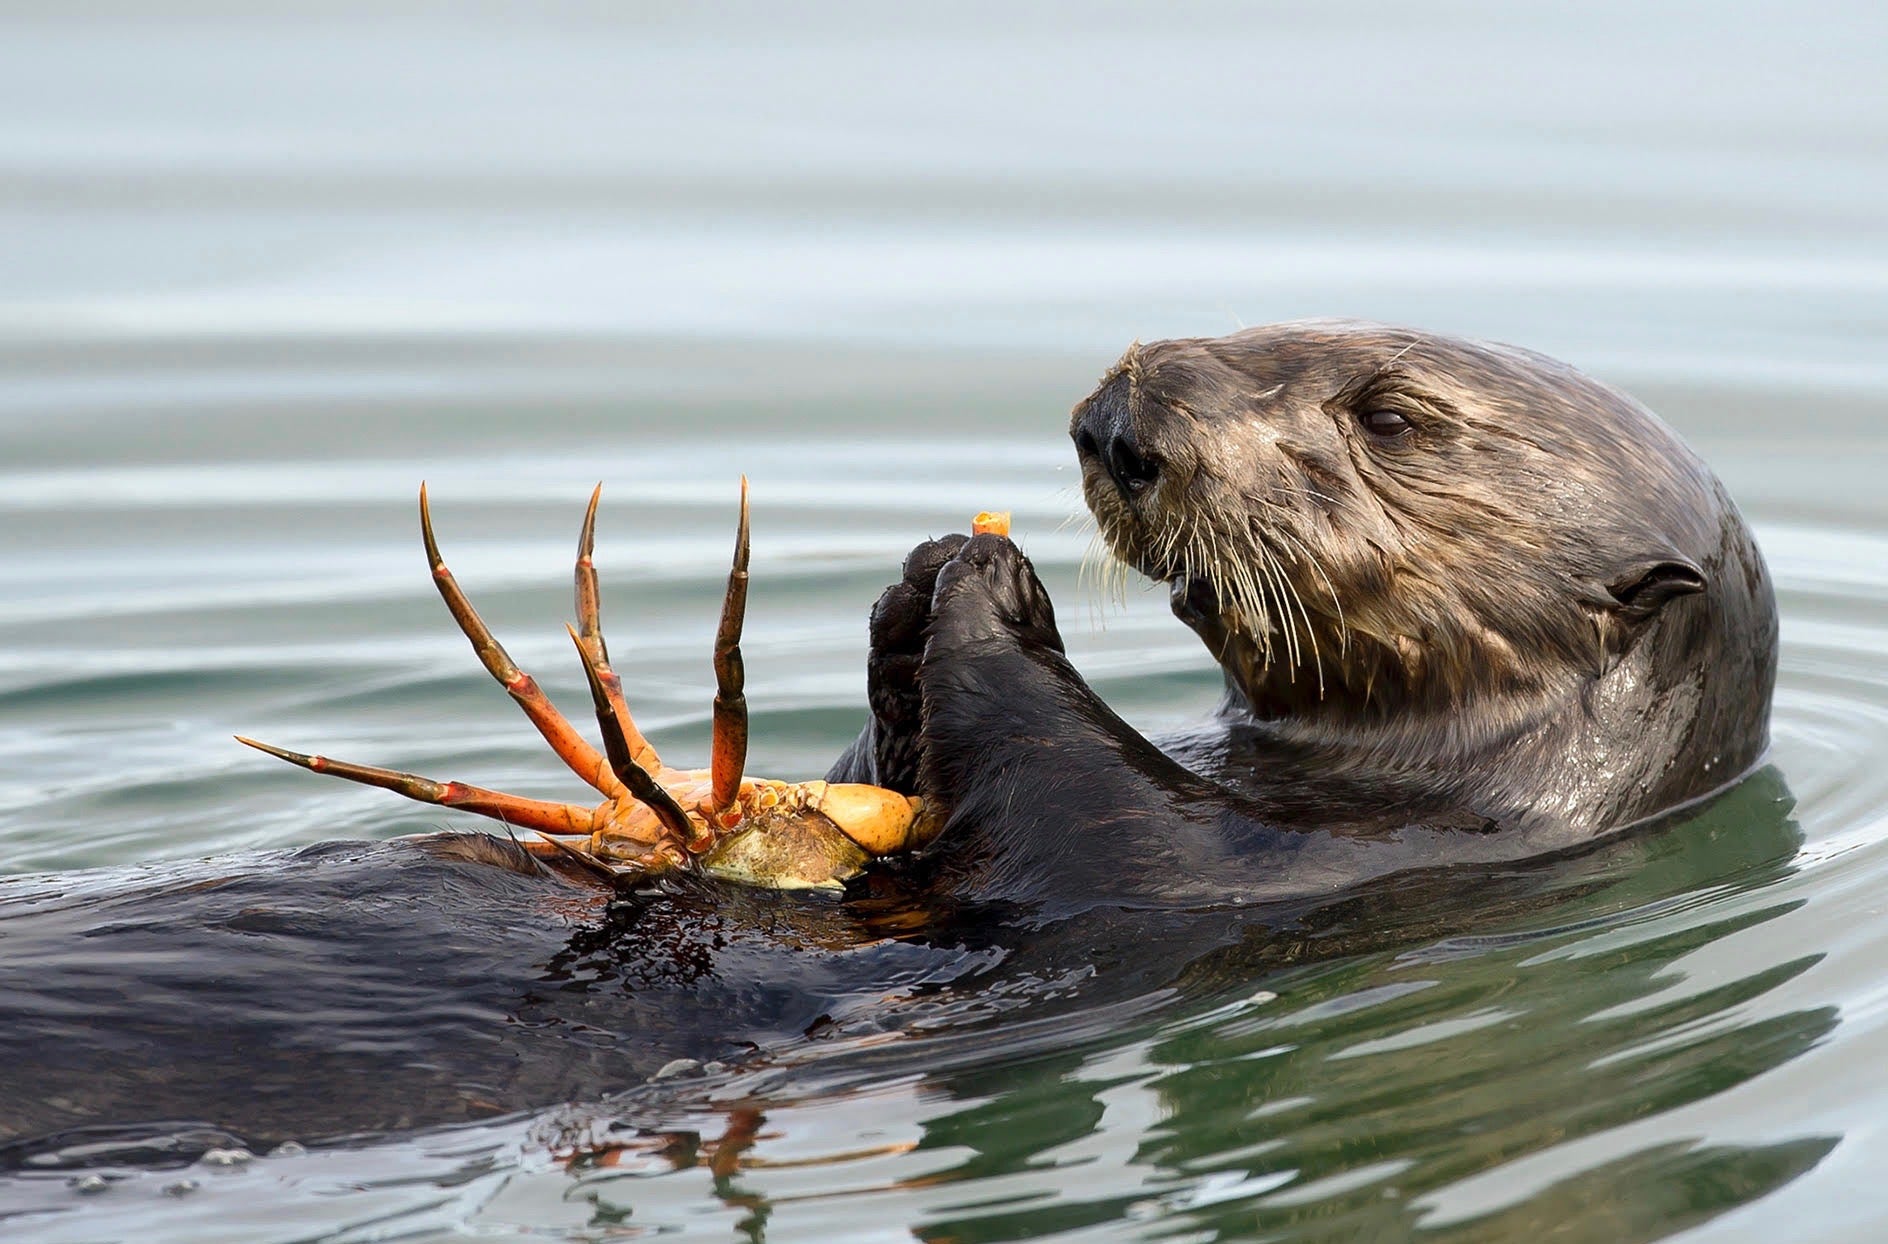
{"x": 640, "y": 782}
{"x": 570, "y": 746}
{"x": 538, "y": 814}
{"x": 728, "y": 754}
{"x": 612, "y": 709}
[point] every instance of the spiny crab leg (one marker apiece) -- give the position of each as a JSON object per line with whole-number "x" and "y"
{"x": 728, "y": 754}
{"x": 612, "y": 709}
{"x": 542, "y": 815}
{"x": 784, "y": 835}
{"x": 572, "y": 748}
{"x": 640, "y": 782}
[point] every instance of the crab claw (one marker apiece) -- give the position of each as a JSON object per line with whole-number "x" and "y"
{"x": 783, "y": 835}
{"x": 814, "y": 835}
{"x": 881, "y": 821}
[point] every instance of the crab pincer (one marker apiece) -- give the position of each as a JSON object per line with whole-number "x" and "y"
{"x": 654, "y": 818}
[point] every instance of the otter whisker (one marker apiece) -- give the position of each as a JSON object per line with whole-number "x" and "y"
{"x": 1110, "y": 548}
{"x": 1253, "y": 602}
{"x": 1201, "y": 562}
{"x": 1268, "y": 579}
{"x": 1278, "y": 616}
{"x": 1303, "y": 555}
{"x": 1281, "y": 529}
{"x": 1311, "y": 631}
{"x": 1089, "y": 568}
{"x": 1102, "y": 574}
{"x": 1398, "y": 356}
{"x": 1265, "y": 590}
{"x": 1294, "y": 648}
{"x": 1268, "y": 584}
{"x": 1280, "y": 580}
{"x": 1310, "y": 559}
{"x": 1312, "y": 493}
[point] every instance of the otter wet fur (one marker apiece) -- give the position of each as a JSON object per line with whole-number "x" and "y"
{"x": 1474, "y": 609}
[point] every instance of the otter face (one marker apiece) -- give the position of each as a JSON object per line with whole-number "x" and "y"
{"x": 1368, "y": 521}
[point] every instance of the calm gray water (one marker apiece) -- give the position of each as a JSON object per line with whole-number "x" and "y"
{"x": 267, "y": 268}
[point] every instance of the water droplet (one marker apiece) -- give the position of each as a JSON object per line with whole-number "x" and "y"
{"x": 227, "y": 1157}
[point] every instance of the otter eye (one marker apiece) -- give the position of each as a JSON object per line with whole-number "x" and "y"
{"x": 1384, "y": 423}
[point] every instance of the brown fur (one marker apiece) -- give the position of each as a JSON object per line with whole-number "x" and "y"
{"x": 1427, "y": 596}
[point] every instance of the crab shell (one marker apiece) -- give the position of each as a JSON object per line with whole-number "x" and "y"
{"x": 778, "y": 835}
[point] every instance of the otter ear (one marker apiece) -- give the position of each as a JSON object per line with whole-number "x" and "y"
{"x": 1645, "y": 587}
{"x": 1634, "y": 598}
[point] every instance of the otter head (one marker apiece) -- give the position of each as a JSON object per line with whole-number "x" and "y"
{"x": 1385, "y": 535}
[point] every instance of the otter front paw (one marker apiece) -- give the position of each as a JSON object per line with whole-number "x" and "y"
{"x": 996, "y": 684}
{"x": 988, "y": 594}
{"x": 899, "y": 621}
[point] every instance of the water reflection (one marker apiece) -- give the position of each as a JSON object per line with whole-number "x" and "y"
{"x": 1352, "y": 1077}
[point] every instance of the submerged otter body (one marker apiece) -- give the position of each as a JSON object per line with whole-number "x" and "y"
{"x": 1472, "y": 607}
{"x": 357, "y": 987}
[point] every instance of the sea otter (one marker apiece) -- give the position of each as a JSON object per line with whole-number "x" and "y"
{"x": 1472, "y": 607}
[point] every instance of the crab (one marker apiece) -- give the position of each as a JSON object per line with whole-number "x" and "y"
{"x": 655, "y": 819}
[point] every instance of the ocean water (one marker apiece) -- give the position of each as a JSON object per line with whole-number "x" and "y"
{"x": 269, "y": 266}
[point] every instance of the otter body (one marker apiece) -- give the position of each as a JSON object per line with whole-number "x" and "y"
{"x": 148, "y": 1014}
{"x": 1472, "y": 607}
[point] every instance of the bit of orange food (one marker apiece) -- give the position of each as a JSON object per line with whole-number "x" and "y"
{"x": 991, "y": 522}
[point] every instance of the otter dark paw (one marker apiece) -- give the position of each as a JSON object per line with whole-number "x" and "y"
{"x": 995, "y": 681}
{"x": 988, "y": 593}
{"x": 899, "y": 622}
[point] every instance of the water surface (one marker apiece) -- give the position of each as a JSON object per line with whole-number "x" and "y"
{"x": 270, "y": 266}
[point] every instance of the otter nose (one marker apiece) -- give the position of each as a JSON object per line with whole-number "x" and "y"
{"x": 1105, "y": 434}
